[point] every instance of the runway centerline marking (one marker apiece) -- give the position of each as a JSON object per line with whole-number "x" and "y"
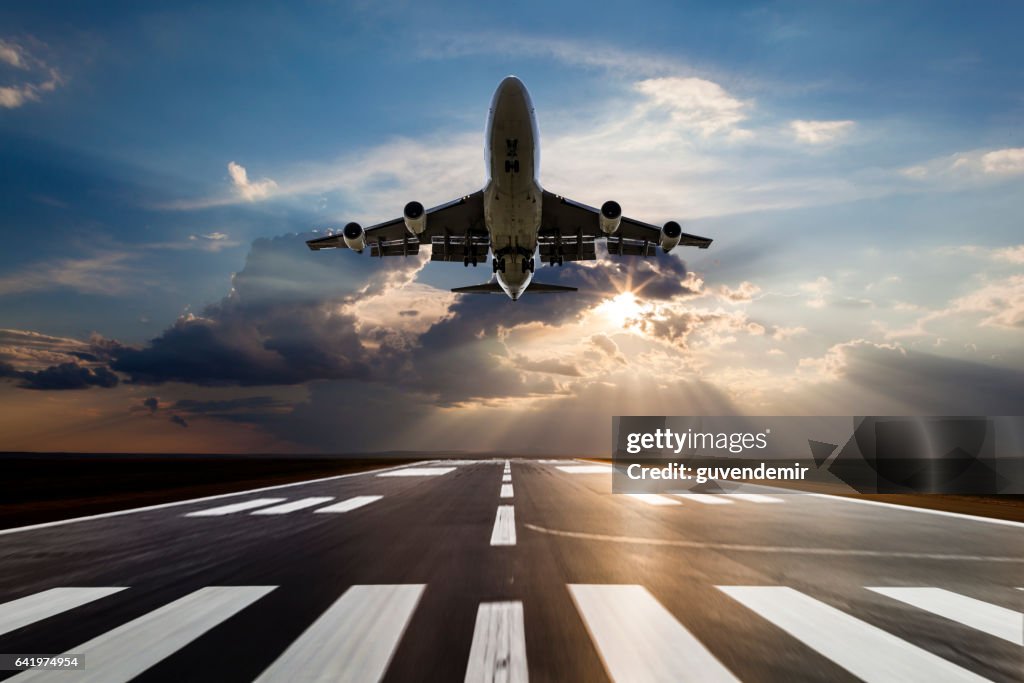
{"x": 349, "y": 504}
{"x": 498, "y": 652}
{"x": 505, "y": 478}
{"x": 585, "y": 469}
{"x": 639, "y": 640}
{"x": 294, "y": 505}
{"x": 504, "y": 532}
{"x": 506, "y": 491}
{"x": 123, "y": 653}
{"x": 234, "y": 507}
{"x": 741, "y": 547}
{"x": 983, "y": 616}
{"x": 38, "y": 606}
{"x": 353, "y": 640}
{"x": 864, "y": 650}
{"x": 418, "y": 472}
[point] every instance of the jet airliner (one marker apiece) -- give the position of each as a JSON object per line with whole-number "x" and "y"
{"x": 513, "y": 218}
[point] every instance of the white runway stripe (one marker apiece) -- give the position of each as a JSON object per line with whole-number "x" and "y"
{"x": 585, "y": 469}
{"x": 418, "y": 472}
{"x": 235, "y": 507}
{"x": 752, "y": 497}
{"x": 506, "y": 478}
{"x": 353, "y": 640}
{"x": 498, "y": 652}
{"x": 506, "y": 491}
{"x": 653, "y": 499}
{"x": 991, "y": 619}
{"x": 705, "y": 498}
{"x": 128, "y": 650}
{"x": 292, "y": 506}
{"x": 864, "y": 650}
{"x": 504, "y": 532}
{"x": 350, "y": 504}
{"x": 39, "y": 606}
{"x": 639, "y": 640}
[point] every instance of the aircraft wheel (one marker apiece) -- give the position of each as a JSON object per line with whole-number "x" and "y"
{"x": 531, "y": 265}
{"x": 465, "y": 262}
{"x": 515, "y": 165}
{"x": 494, "y": 265}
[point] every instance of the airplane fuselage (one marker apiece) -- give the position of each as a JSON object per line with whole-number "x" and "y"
{"x": 512, "y": 193}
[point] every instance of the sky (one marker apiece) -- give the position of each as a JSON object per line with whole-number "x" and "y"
{"x": 859, "y": 165}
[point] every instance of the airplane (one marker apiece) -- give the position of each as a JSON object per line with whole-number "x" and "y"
{"x": 512, "y": 216}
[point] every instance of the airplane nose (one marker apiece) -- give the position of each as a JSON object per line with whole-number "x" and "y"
{"x": 510, "y": 85}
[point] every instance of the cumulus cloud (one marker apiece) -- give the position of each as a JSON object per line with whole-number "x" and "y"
{"x": 250, "y": 190}
{"x": 743, "y": 293}
{"x": 820, "y": 132}
{"x": 61, "y": 377}
{"x": 1003, "y": 161}
{"x": 972, "y": 166}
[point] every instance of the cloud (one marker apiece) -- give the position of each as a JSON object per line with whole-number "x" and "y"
{"x": 1003, "y": 161}
{"x": 1010, "y": 254}
{"x": 61, "y": 377}
{"x": 34, "y": 76}
{"x": 151, "y": 404}
{"x": 820, "y": 132}
{"x": 972, "y": 166}
{"x": 106, "y": 273}
{"x": 743, "y": 293}
{"x": 696, "y": 104}
{"x": 178, "y": 420}
{"x": 33, "y": 350}
{"x": 249, "y": 189}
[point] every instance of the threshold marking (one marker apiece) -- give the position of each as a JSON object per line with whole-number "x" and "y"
{"x": 983, "y": 616}
{"x": 349, "y": 504}
{"x": 121, "y": 654}
{"x": 639, "y": 640}
{"x": 866, "y": 651}
{"x": 234, "y": 507}
{"x": 38, "y": 606}
{"x": 353, "y": 640}
{"x": 300, "y": 504}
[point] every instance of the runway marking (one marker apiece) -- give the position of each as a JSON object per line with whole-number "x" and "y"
{"x": 498, "y": 652}
{"x": 653, "y": 499}
{"x": 506, "y": 491}
{"x": 292, "y": 506}
{"x": 705, "y": 498}
{"x": 504, "y": 532}
{"x": 639, "y": 640}
{"x": 234, "y": 507}
{"x": 742, "y": 547}
{"x": 418, "y": 472}
{"x": 866, "y": 651}
{"x": 353, "y": 640}
{"x": 128, "y": 650}
{"x": 983, "y": 616}
{"x": 505, "y": 478}
{"x": 585, "y": 469}
{"x": 349, "y": 504}
{"x": 38, "y": 606}
{"x": 187, "y": 501}
{"x": 753, "y": 497}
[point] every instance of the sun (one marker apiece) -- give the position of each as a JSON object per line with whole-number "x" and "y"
{"x": 620, "y": 308}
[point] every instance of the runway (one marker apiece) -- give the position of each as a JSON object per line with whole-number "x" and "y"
{"x": 516, "y": 570}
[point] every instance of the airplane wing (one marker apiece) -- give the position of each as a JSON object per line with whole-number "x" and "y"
{"x": 455, "y": 230}
{"x": 569, "y": 229}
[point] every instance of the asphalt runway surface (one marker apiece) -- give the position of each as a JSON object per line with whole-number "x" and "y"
{"x": 530, "y": 570}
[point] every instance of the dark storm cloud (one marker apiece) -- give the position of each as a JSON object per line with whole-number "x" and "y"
{"x": 64, "y": 376}
{"x": 151, "y": 404}
{"x": 179, "y": 420}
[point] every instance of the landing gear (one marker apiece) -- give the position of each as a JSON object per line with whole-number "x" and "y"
{"x": 511, "y": 166}
{"x": 556, "y": 261}
{"x": 467, "y": 261}
{"x": 528, "y": 265}
{"x": 498, "y": 265}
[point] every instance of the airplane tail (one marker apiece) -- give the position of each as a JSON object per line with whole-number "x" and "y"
{"x": 493, "y": 287}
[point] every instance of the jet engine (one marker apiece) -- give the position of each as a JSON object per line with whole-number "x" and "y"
{"x": 415, "y": 218}
{"x": 670, "y": 234}
{"x": 611, "y": 216}
{"x": 355, "y": 238}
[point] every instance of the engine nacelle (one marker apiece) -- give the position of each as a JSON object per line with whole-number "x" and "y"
{"x": 355, "y": 238}
{"x": 670, "y": 234}
{"x": 611, "y": 216}
{"x": 415, "y": 218}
